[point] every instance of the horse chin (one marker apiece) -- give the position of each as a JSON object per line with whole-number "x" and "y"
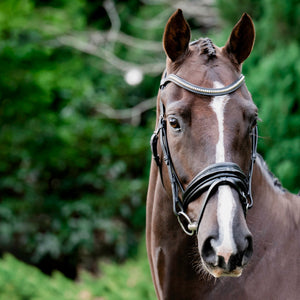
{"x": 218, "y": 272}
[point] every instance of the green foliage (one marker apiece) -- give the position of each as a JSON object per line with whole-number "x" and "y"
{"x": 73, "y": 183}
{"x": 276, "y": 21}
{"x": 19, "y": 281}
{"x": 232, "y": 10}
{"x": 132, "y": 280}
{"x": 277, "y": 94}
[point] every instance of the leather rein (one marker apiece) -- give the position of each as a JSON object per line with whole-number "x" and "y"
{"x": 209, "y": 179}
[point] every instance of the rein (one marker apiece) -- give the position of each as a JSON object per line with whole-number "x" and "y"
{"x": 209, "y": 179}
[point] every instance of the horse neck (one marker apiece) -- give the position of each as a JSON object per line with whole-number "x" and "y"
{"x": 272, "y": 202}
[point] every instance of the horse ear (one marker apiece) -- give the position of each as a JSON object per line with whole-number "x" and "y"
{"x": 241, "y": 40}
{"x": 176, "y": 36}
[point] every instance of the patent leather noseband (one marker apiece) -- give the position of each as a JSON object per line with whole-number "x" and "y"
{"x": 209, "y": 179}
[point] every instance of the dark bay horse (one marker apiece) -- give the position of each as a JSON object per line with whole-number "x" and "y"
{"x": 202, "y": 241}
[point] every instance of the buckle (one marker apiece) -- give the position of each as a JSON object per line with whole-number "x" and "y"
{"x": 191, "y": 226}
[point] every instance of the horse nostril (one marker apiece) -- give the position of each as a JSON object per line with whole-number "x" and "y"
{"x": 248, "y": 251}
{"x": 226, "y": 259}
{"x": 249, "y": 244}
{"x": 208, "y": 253}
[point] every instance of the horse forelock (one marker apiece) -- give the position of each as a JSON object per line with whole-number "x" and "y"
{"x": 207, "y": 47}
{"x": 203, "y": 47}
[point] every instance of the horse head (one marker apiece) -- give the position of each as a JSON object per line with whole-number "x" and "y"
{"x": 206, "y": 120}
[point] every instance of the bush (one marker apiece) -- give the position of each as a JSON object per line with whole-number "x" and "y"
{"x": 131, "y": 280}
{"x": 73, "y": 182}
{"x": 19, "y": 281}
{"x": 277, "y": 95}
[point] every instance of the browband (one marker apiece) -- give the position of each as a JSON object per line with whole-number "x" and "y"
{"x": 202, "y": 90}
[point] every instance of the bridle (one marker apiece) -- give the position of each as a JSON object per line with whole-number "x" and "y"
{"x": 209, "y": 179}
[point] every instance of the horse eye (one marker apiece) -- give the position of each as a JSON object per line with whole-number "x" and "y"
{"x": 252, "y": 125}
{"x": 174, "y": 123}
{"x": 254, "y": 122}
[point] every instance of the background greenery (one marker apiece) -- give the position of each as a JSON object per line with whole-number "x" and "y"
{"x": 74, "y": 142}
{"x": 19, "y": 281}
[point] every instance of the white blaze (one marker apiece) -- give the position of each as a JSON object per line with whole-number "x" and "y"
{"x": 226, "y": 204}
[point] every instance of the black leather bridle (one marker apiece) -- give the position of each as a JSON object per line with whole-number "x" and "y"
{"x": 209, "y": 179}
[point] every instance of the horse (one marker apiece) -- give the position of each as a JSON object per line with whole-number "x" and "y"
{"x": 203, "y": 241}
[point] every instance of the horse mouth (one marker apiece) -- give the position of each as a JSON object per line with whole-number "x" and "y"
{"x": 218, "y": 272}
{"x": 223, "y": 273}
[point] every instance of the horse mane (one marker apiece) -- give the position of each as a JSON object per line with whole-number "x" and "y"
{"x": 207, "y": 47}
{"x": 274, "y": 179}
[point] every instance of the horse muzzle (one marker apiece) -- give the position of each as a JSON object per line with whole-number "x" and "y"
{"x": 226, "y": 262}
